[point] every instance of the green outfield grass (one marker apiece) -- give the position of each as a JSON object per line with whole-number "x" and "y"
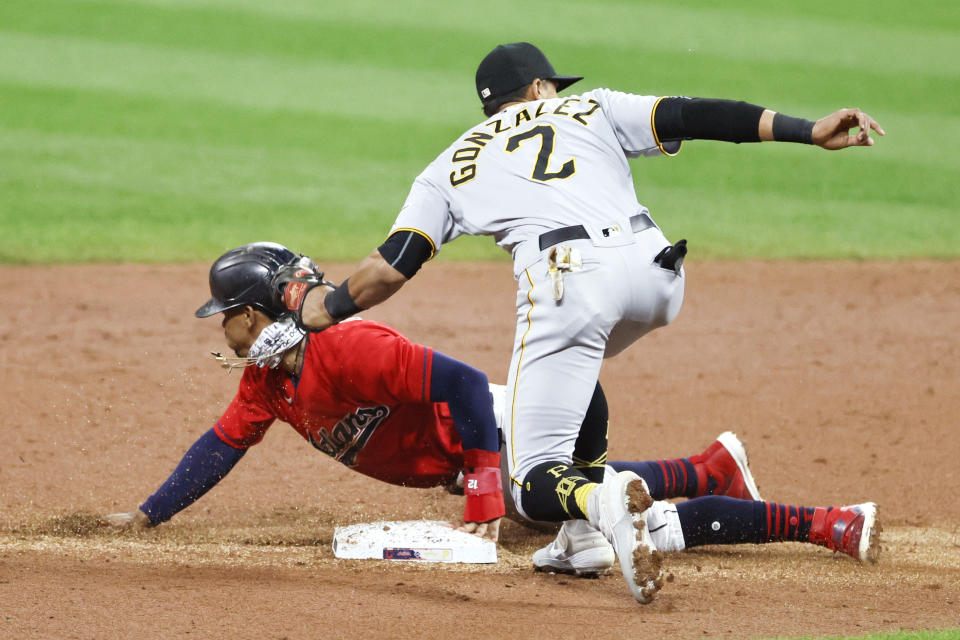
{"x": 158, "y": 130}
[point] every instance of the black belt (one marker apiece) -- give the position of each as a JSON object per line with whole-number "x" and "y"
{"x": 638, "y": 223}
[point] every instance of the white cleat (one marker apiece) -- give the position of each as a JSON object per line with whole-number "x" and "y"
{"x": 578, "y": 549}
{"x": 623, "y": 505}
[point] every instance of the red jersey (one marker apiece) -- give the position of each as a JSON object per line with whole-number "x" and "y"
{"x": 363, "y": 398}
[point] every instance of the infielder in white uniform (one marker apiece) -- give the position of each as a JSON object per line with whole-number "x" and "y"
{"x": 549, "y": 179}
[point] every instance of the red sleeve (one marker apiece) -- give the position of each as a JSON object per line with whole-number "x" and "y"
{"x": 376, "y": 363}
{"x": 247, "y": 418}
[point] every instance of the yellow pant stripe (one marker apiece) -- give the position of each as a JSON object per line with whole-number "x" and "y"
{"x": 516, "y": 380}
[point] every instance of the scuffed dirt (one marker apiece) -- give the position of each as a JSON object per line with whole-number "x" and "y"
{"x": 647, "y": 562}
{"x": 843, "y": 380}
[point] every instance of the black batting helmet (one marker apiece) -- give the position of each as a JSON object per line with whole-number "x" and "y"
{"x": 242, "y": 276}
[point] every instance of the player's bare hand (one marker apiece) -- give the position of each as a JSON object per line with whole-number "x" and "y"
{"x": 135, "y": 520}
{"x": 487, "y": 530}
{"x": 833, "y": 131}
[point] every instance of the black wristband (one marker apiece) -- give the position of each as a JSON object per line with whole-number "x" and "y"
{"x": 789, "y": 129}
{"x": 340, "y": 304}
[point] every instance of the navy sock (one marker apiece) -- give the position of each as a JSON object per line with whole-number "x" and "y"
{"x": 723, "y": 520}
{"x": 665, "y": 478}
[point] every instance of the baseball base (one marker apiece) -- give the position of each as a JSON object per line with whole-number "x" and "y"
{"x": 418, "y": 540}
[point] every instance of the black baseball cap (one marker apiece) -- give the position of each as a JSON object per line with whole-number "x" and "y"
{"x": 515, "y": 65}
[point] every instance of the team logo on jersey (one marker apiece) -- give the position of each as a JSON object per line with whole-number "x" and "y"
{"x": 348, "y": 438}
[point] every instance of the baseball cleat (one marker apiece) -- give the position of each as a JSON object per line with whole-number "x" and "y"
{"x": 726, "y": 464}
{"x": 578, "y": 549}
{"x": 852, "y": 530}
{"x": 623, "y": 505}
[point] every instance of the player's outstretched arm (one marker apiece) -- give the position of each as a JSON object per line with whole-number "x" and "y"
{"x": 380, "y": 275}
{"x": 466, "y": 391}
{"x": 372, "y": 283}
{"x": 731, "y": 121}
{"x": 202, "y": 467}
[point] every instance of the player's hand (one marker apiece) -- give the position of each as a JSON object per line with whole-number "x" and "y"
{"x": 833, "y": 131}
{"x": 314, "y": 313}
{"x": 486, "y": 530}
{"x": 135, "y": 520}
{"x": 299, "y": 286}
{"x": 291, "y": 282}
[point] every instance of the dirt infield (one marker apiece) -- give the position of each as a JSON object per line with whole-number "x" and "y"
{"x": 843, "y": 379}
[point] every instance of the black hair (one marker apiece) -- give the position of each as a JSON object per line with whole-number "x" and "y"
{"x": 518, "y": 95}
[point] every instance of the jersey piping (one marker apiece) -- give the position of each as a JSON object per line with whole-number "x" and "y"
{"x": 656, "y": 137}
{"x": 513, "y": 409}
{"x": 433, "y": 247}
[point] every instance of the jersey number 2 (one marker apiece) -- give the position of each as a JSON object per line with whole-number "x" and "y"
{"x": 547, "y": 135}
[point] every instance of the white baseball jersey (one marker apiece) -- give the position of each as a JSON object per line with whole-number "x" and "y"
{"x": 537, "y": 166}
{"x": 532, "y": 168}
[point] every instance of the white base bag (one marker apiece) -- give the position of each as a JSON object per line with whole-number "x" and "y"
{"x": 418, "y": 540}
